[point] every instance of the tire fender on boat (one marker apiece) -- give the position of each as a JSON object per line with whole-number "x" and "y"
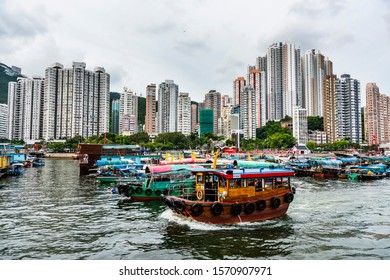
{"x": 179, "y": 205}
{"x": 289, "y": 197}
{"x": 158, "y": 192}
{"x": 236, "y": 209}
{"x": 261, "y": 205}
{"x": 275, "y": 202}
{"x": 249, "y": 208}
{"x": 217, "y": 208}
{"x": 138, "y": 190}
{"x": 129, "y": 191}
{"x": 196, "y": 209}
{"x": 148, "y": 192}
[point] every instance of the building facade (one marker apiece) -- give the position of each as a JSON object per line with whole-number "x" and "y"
{"x": 128, "y": 112}
{"x": 3, "y": 121}
{"x": 25, "y": 108}
{"x": 348, "y": 109}
{"x": 300, "y": 131}
{"x": 184, "y": 113}
{"x": 238, "y": 85}
{"x": 376, "y": 116}
{"x": 284, "y": 88}
{"x": 315, "y": 68}
{"x": 76, "y": 101}
{"x": 248, "y": 112}
{"x": 212, "y": 101}
{"x": 150, "y": 117}
{"x": 330, "y": 109}
{"x": 168, "y": 93}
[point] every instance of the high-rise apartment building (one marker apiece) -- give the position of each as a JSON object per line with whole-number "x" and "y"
{"x": 300, "y": 131}
{"x": 3, "y": 121}
{"x": 248, "y": 112}
{"x": 128, "y": 112}
{"x": 376, "y": 116}
{"x": 330, "y": 109}
{"x": 256, "y": 80}
{"x": 115, "y": 105}
{"x": 315, "y": 68}
{"x": 25, "y": 108}
{"x": 226, "y": 100}
{"x": 150, "y": 117}
{"x": 212, "y": 101}
{"x": 238, "y": 85}
{"x": 76, "y": 101}
{"x": 284, "y": 89}
{"x": 168, "y": 93}
{"x": 184, "y": 113}
{"x": 348, "y": 108}
{"x": 194, "y": 118}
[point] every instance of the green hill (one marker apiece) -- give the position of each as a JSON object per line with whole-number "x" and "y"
{"x": 6, "y": 75}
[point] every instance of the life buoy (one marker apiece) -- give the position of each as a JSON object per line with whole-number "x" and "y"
{"x": 158, "y": 192}
{"x": 196, "y": 209}
{"x": 216, "y": 208}
{"x": 249, "y": 208}
{"x": 180, "y": 205}
{"x": 236, "y": 209}
{"x": 138, "y": 190}
{"x": 129, "y": 191}
{"x": 261, "y": 205}
{"x": 199, "y": 194}
{"x": 289, "y": 197}
{"x": 275, "y": 202}
{"x": 148, "y": 192}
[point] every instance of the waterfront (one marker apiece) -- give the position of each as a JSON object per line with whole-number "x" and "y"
{"x": 52, "y": 213}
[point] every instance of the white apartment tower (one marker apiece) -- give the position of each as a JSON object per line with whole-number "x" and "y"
{"x": 76, "y": 101}
{"x": 348, "y": 108}
{"x": 248, "y": 112}
{"x": 168, "y": 93}
{"x": 300, "y": 131}
{"x": 284, "y": 89}
{"x": 128, "y": 112}
{"x": 3, "y": 121}
{"x": 25, "y": 108}
{"x": 315, "y": 68}
{"x": 184, "y": 113}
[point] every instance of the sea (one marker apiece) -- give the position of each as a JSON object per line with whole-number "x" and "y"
{"x": 53, "y": 213}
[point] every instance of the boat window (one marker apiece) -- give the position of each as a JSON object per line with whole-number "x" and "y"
{"x": 199, "y": 179}
{"x": 251, "y": 183}
{"x": 231, "y": 184}
{"x": 237, "y": 184}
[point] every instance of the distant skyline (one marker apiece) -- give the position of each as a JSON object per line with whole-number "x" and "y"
{"x": 202, "y": 45}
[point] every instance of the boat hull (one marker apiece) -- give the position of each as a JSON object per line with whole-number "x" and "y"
{"x": 230, "y": 213}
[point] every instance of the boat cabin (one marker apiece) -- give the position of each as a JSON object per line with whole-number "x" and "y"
{"x": 242, "y": 184}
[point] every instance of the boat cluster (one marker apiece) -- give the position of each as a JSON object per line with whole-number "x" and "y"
{"x": 341, "y": 167}
{"x": 220, "y": 190}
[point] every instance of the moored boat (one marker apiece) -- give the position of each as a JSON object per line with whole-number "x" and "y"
{"x": 235, "y": 195}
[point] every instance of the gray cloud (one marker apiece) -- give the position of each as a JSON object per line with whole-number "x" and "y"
{"x": 313, "y": 9}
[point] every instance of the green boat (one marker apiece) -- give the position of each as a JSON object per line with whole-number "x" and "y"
{"x": 178, "y": 182}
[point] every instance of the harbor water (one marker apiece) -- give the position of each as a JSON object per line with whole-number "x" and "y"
{"x": 53, "y": 213}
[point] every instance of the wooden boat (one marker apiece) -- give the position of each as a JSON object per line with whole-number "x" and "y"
{"x": 235, "y": 195}
{"x": 38, "y": 162}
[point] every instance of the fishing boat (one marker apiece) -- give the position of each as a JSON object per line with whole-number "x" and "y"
{"x": 165, "y": 179}
{"x": 116, "y": 174}
{"x": 235, "y": 195}
{"x": 38, "y": 162}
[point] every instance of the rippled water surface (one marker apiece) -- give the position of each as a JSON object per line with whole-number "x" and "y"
{"x": 53, "y": 213}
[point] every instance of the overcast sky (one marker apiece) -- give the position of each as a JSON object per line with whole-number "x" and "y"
{"x": 200, "y": 44}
